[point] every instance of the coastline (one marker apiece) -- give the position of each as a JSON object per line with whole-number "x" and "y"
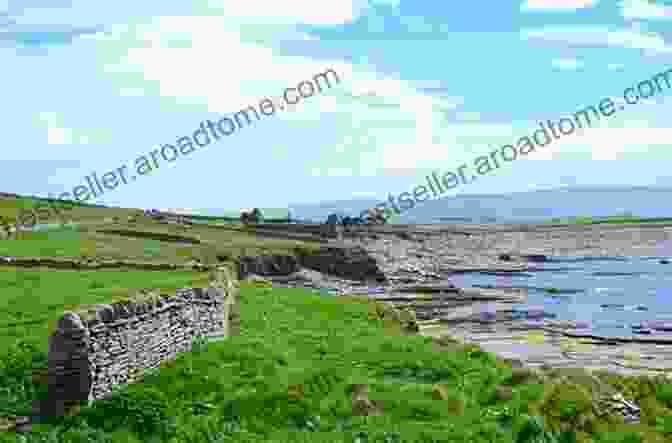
{"x": 425, "y": 257}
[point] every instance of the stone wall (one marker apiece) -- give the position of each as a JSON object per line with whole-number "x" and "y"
{"x": 98, "y": 347}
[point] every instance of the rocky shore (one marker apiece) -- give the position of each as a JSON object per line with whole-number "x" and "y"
{"x": 418, "y": 262}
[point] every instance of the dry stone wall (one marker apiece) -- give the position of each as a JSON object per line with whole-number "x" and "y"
{"x": 96, "y": 348}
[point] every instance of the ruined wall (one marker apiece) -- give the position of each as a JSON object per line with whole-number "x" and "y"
{"x": 98, "y": 347}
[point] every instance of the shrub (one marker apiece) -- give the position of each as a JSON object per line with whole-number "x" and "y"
{"x": 664, "y": 394}
{"x": 141, "y": 408}
{"x": 568, "y": 406}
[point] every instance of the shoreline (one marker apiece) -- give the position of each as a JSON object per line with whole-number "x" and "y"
{"x": 424, "y": 256}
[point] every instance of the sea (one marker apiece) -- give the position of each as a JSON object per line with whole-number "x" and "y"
{"x": 609, "y": 296}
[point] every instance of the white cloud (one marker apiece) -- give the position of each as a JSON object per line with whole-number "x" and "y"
{"x": 558, "y": 5}
{"x": 59, "y": 136}
{"x": 394, "y": 3}
{"x": 633, "y": 9}
{"x": 468, "y": 116}
{"x": 56, "y": 132}
{"x": 289, "y": 12}
{"x": 613, "y": 143}
{"x": 598, "y": 36}
{"x": 150, "y": 53}
{"x": 567, "y": 64}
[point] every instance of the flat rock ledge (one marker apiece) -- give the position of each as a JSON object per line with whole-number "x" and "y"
{"x": 487, "y": 317}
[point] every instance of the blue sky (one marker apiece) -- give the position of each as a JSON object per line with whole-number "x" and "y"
{"x": 425, "y": 85}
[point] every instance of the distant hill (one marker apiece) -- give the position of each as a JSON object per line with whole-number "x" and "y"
{"x": 518, "y": 207}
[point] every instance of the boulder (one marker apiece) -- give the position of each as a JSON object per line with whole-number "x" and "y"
{"x": 503, "y": 393}
{"x": 258, "y": 281}
{"x": 267, "y": 265}
{"x": 352, "y": 263}
{"x": 439, "y": 392}
{"x": 361, "y": 404}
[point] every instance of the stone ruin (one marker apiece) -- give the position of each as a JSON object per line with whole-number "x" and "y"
{"x": 253, "y": 216}
{"x": 94, "y": 349}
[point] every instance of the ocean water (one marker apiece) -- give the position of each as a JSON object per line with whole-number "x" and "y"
{"x": 612, "y": 295}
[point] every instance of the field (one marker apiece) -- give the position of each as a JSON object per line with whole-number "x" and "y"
{"x": 290, "y": 375}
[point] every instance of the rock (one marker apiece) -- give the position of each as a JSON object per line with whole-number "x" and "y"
{"x": 69, "y": 376}
{"x": 72, "y": 409}
{"x": 536, "y": 258}
{"x": 664, "y": 262}
{"x": 295, "y": 392}
{"x": 521, "y": 376}
{"x": 649, "y": 325}
{"x": 662, "y": 325}
{"x": 361, "y": 404}
{"x": 194, "y": 263}
{"x": 513, "y": 362}
{"x": 352, "y": 263}
{"x": 456, "y": 405}
{"x": 18, "y": 424}
{"x": 257, "y": 280}
{"x": 7, "y": 424}
{"x": 439, "y": 392}
{"x": 407, "y": 315}
{"x": 406, "y": 236}
{"x": 447, "y": 340}
{"x": 581, "y": 377}
{"x": 504, "y": 257}
{"x": 503, "y": 393}
{"x": 438, "y": 288}
{"x": 267, "y": 265}
{"x": 39, "y": 376}
{"x": 535, "y": 312}
{"x": 488, "y": 313}
{"x": 105, "y": 313}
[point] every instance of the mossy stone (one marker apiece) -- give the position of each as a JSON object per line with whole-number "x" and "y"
{"x": 439, "y": 392}
{"x": 521, "y": 376}
{"x": 455, "y": 404}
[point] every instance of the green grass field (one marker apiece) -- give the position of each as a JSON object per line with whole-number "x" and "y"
{"x": 286, "y": 379}
{"x": 89, "y": 239}
{"x": 32, "y": 297}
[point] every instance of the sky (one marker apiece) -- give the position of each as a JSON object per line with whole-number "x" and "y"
{"x": 423, "y": 86}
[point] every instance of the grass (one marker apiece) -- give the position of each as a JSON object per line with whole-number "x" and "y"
{"x": 216, "y": 244}
{"x": 287, "y": 378}
{"x": 32, "y": 298}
